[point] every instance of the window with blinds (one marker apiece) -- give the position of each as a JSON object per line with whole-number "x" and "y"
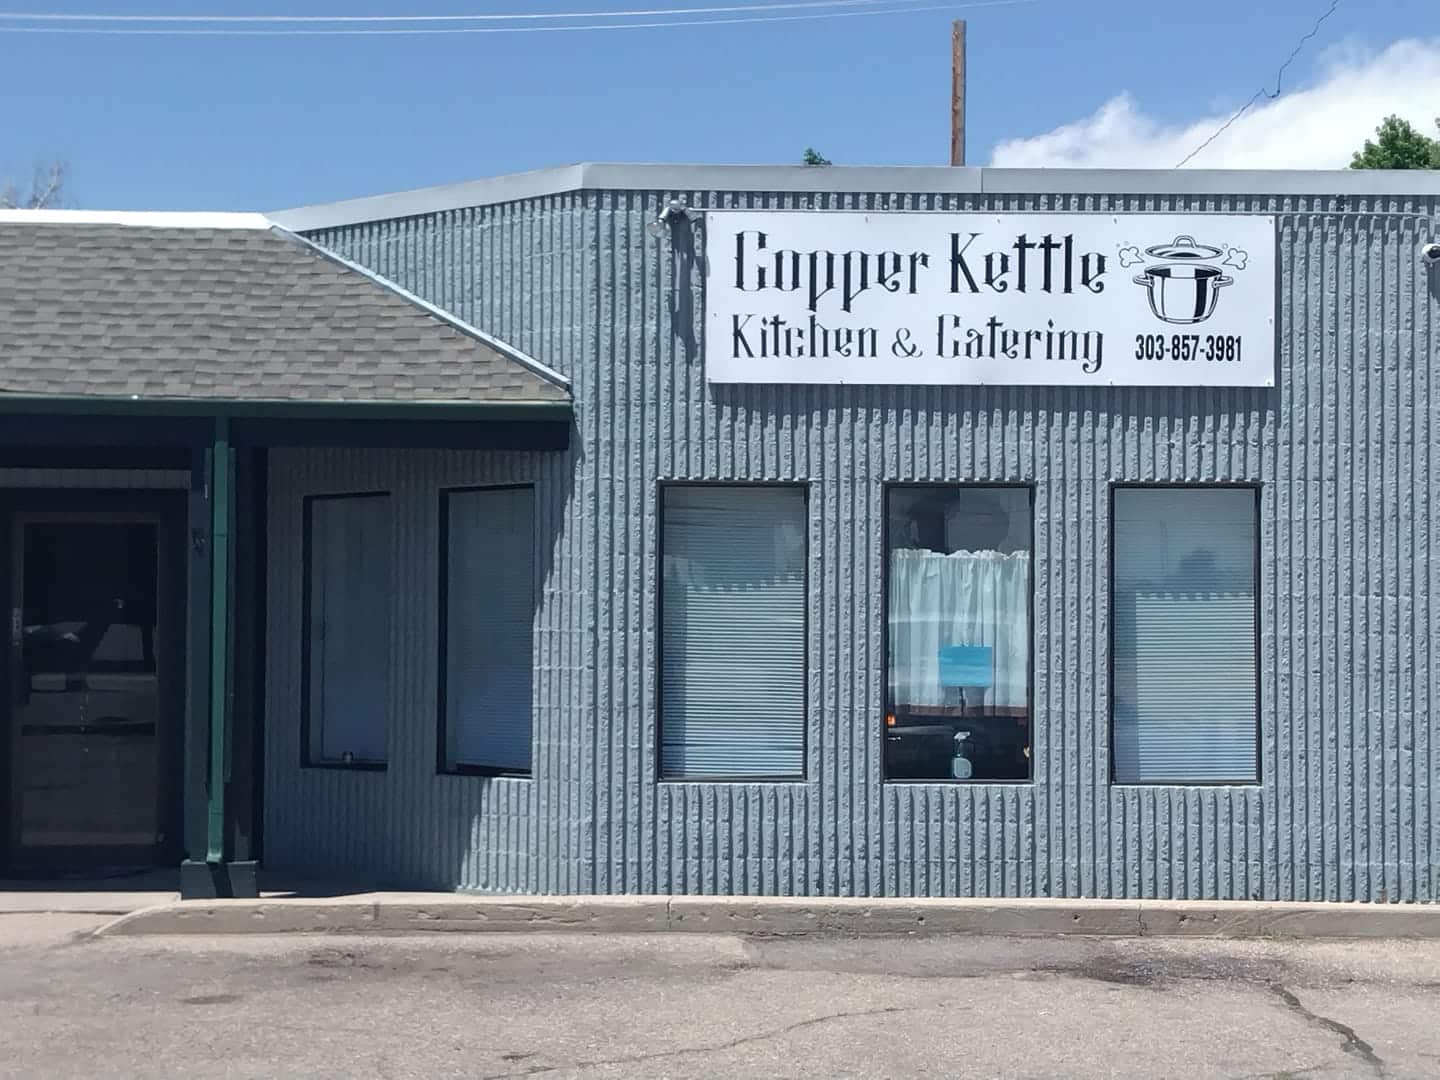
{"x": 732, "y": 686}
{"x": 1183, "y": 619}
{"x": 346, "y": 657}
{"x": 488, "y": 618}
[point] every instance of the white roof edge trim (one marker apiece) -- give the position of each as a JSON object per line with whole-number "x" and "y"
{"x": 860, "y": 179}
{"x": 525, "y": 360}
{"x": 140, "y": 219}
{"x": 398, "y": 204}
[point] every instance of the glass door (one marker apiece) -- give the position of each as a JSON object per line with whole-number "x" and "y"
{"x": 86, "y": 686}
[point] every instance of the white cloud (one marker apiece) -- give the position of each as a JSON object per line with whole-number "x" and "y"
{"x": 1316, "y": 127}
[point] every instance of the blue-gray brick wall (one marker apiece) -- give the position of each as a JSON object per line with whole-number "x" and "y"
{"x": 1344, "y": 448}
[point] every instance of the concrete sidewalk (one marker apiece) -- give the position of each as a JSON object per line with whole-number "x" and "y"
{"x": 407, "y": 913}
{"x": 123, "y": 893}
{"x": 118, "y": 894}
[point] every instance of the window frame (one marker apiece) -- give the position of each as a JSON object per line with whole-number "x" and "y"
{"x": 443, "y": 765}
{"x": 307, "y": 758}
{"x": 1255, "y": 487}
{"x": 1029, "y": 487}
{"x": 658, "y": 655}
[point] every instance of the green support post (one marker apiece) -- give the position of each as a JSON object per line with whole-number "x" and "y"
{"x": 196, "y": 783}
{"x": 218, "y": 874}
{"x": 221, "y": 513}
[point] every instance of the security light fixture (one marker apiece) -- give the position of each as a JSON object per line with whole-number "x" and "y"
{"x": 674, "y": 213}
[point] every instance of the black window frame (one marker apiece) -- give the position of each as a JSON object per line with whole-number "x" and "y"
{"x": 443, "y": 765}
{"x": 658, "y": 658}
{"x": 1256, "y": 488}
{"x": 886, "y": 702}
{"x": 307, "y": 759}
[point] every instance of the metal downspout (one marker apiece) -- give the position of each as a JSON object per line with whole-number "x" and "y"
{"x": 221, "y": 512}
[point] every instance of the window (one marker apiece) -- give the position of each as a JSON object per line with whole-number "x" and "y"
{"x": 1183, "y": 651}
{"x": 732, "y": 687}
{"x": 346, "y": 655}
{"x": 958, "y": 631}
{"x": 487, "y": 619}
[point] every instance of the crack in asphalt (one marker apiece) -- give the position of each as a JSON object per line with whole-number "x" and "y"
{"x": 1288, "y": 1074}
{"x": 634, "y": 1059}
{"x": 1353, "y": 1044}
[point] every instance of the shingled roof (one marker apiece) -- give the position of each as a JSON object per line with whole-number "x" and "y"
{"x": 229, "y": 308}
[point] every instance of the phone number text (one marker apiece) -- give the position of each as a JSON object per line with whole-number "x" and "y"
{"x": 1216, "y": 348}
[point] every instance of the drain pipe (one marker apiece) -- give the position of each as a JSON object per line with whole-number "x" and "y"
{"x": 222, "y": 465}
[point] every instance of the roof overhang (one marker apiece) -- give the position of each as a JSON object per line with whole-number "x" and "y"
{"x": 42, "y": 422}
{"x": 282, "y": 409}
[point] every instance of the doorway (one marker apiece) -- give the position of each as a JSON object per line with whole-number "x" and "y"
{"x": 93, "y": 686}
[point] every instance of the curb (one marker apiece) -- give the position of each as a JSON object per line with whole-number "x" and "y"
{"x": 410, "y": 913}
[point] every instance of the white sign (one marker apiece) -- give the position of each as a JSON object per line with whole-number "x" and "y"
{"x": 985, "y": 299}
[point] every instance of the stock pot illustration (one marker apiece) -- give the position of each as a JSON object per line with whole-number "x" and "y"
{"x": 1183, "y": 288}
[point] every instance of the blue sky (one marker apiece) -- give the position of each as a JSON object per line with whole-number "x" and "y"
{"x": 253, "y": 123}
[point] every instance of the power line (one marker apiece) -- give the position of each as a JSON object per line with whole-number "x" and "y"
{"x": 343, "y": 31}
{"x": 1263, "y": 92}
{"x": 46, "y": 17}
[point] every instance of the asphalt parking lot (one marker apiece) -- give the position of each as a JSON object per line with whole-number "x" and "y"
{"x": 566, "y": 1005}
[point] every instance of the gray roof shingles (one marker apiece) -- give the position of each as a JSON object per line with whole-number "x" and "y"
{"x": 227, "y": 314}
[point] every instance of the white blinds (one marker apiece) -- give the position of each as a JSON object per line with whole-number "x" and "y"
{"x": 349, "y": 676}
{"x": 490, "y": 620}
{"x": 733, "y": 648}
{"x": 1184, "y": 635}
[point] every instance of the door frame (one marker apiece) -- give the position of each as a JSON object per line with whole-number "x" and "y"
{"x": 168, "y": 509}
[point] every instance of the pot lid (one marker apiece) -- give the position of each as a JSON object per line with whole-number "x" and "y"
{"x": 1184, "y": 247}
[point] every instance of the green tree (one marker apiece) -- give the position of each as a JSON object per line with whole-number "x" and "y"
{"x": 1397, "y": 145}
{"x": 814, "y": 157}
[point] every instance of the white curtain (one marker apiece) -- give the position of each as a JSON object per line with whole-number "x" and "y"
{"x": 964, "y": 598}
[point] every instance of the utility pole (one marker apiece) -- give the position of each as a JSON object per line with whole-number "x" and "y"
{"x": 957, "y": 93}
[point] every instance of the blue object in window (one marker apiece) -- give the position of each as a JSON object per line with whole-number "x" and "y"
{"x": 967, "y": 665}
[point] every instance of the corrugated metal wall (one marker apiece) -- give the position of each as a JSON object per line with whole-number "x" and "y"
{"x": 1349, "y": 806}
{"x": 407, "y": 824}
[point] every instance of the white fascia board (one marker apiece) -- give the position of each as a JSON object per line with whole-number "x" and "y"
{"x": 140, "y": 219}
